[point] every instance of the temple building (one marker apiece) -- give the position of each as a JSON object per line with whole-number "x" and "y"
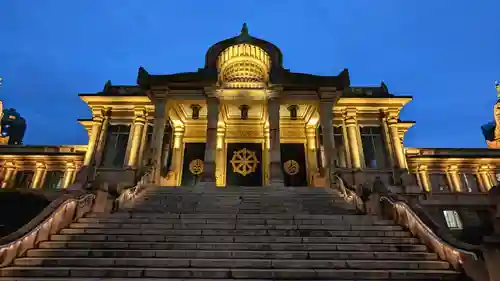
{"x": 245, "y": 120}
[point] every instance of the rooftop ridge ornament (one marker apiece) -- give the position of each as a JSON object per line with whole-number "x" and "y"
{"x": 243, "y": 34}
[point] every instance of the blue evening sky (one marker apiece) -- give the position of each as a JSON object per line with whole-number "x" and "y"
{"x": 444, "y": 53}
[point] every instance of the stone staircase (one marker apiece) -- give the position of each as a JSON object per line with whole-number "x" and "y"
{"x": 232, "y": 233}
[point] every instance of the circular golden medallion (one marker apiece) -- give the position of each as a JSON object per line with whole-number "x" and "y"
{"x": 244, "y": 162}
{"x": 292, "y": 167}
{"x": 196, "y": 166}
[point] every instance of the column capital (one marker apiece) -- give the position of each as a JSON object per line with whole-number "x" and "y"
{"x": 40, "y": 166}
{"x": 140, "y": 114}
{"x": 10, "y": 164}
{"x": 329, "y": 93}
{"x": 350, "y": 116}
{"x": 452, "y": 168}
{"x": 210, "y": 91}
{"x": 422, "y": 168}
{"x": 158, "y": 95}
{"x": 485, "y": 168}
{"x": 99, "y": 113}
{"x": 70, "y": 165}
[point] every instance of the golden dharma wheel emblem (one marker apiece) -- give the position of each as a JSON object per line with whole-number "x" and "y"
{"x": 196, "y": 167}
{"x": 244, "y": 162}
{"x": 292, "y": 167}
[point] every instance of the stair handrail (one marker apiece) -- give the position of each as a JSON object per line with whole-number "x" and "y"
{"x": 130, "y": 194}
{"x": 459, "y": 254}
{"x": 57, "y": 215}
{"x": 348, "y": 195}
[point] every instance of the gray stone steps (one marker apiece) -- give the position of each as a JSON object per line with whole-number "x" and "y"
{"x": 237, "y": 239}
{"x": 222, "y": 254}
{"x": 225, "y": 273}
{"x": 230, "y": 263}
{"x": 247, "y": 226}
{"x": 344, "y": 218}
{"x": 234, "y": 232}
{"x": 115, "y": 245}
{"x": 124, "y": 222}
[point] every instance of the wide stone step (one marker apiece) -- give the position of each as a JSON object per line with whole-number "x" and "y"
{"x": 225, "y": 273}
{"x": 234, "y": 232}
{"x": 253, "y": 226}
{"x": 147, "y": 215}
{"x": 221, "y": 254}
{"x": 115, "y": 245}
{"x": 237, "y": 239}
{"x": 123, "y": 222}
{"x": 230, "y": 263}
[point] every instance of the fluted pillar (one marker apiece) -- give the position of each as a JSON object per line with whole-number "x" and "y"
{"x": 209, "y": 168}
{"x": 138, "y": 125}
{"x": 397, "y": 145}
{"x": 312, "y": 164}
{"x": 39, "y": 175}
{"x": 484, "y": 177}
{"x": 69, "y": 174}
{"x": 326, "y": 122}
{"x": 423, "y": 175}
{"x": 95, "y": 132}
{"x": 160, "y": 122}
{"x": 275, "y": 173}
{"x": 220, "y": 161}
{"x": 454, "y": 178}
{"x": 9, "y": 175}
{"x": 352, "y": 135}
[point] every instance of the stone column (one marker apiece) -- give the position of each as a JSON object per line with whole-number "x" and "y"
{"x": 484, "y": 177}
{"x": 265, "y": 155}
{"x": 209, "y": 168}
{"x": 352, "y": 134}
{"x": 68, "y": 176}
{"x": 160, "y": 122}
{"x": 177, "y": 156}
{"x": 311, "y": 153}
{"x": 398, "y": 149}
{"x": 326, "y": 122}
{"x": 95, "y": 132}
{"x": 142, "y": 153}
{"x": 220, "y": 161}
{"x": 10, "y": 174}
{"x": 102, "y": 141}
{"x": 275, "y": 173}
{"x": 138, "y": 125}
{"x": 388, "y": 142}
{"x": 424, "y": 177}
{"x": 454, "y": 177}
{"x": 39, "y": 176}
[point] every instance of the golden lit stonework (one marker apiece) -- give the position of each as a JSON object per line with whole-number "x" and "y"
{"x": 292, "y": 167}
{"x": 244, "y": 162}
{"x": 196, "y": 167}
{"x": 243, "y": 66}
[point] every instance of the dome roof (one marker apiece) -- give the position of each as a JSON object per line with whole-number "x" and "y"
{"x": 275, "y": 55}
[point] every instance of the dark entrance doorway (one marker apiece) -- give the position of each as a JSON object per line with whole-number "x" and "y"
{"x": 244, "y": 164}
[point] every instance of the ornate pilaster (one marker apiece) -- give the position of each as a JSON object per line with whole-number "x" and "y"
{"x": 266, "y": 154}
{"x": 485, "y": 178}
{"x": 312, "y": 164}
{"x": 177, "y": 156}
{"x": 69, "y": 173}
{"x": 326, "y": 122}
{"x": 275, "y": 173}
{"x": 209, "y": 169}
{"x": 220, "y": 160}
{"x": 397, "y": 146}
{"x": 160, "y": 122}
{"x": 454, "y": 177}
{"x": 352, "y": 135}
{"x": 138, "y": 132}
{"x": 95, "y": 132}
{"x": 9, "y": 175}
{"x": 423, "y": 175}
{"x": 39, "y": 175}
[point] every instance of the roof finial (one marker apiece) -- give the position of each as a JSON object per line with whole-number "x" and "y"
{"x": 244, "y": 29}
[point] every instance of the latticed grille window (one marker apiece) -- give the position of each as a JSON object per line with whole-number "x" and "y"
{"x": 439, "y": 182}
{"x": 53, "y": 180}
{"x": 452, "y": 219}
{"x": 470, "y": 182}
{"x": 116, "y": 146}
{"x": 373, "y": 147}
{"x": 339, "y": 152}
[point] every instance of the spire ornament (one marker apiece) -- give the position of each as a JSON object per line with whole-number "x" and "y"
{"x": 244, "y": 29}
